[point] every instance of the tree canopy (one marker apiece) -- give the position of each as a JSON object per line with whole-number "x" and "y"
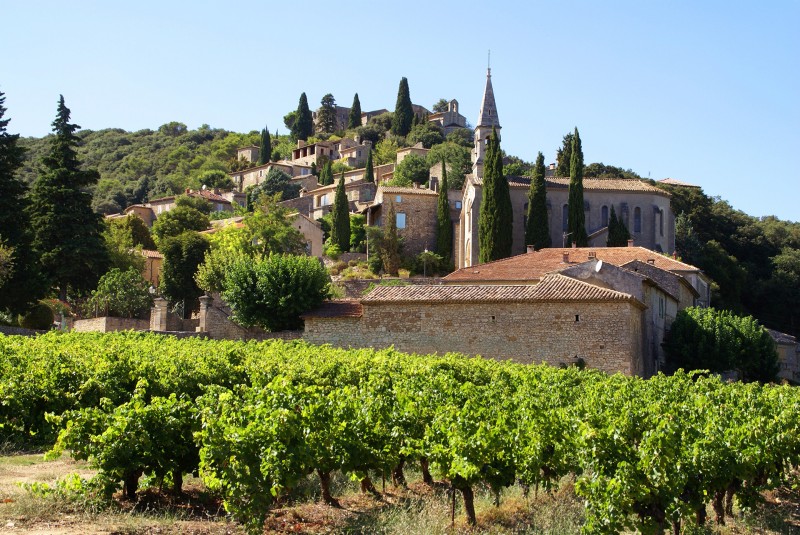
{"x": 265, "y": 147}
{"x": 537, "y": 230}
{"x": 354, "y": 118}
{"x": 340, "y": 215}
{"x": 618, "y": 234}
{"x": 495, "y": 218}
{"x": 180, "y": 219}
{"x": 276, "y": 181}
{"x": 183, "y": 254}
{"x": 303, "y": 124}
{"x": 403, "y": 112}
{"x": 576, "y": 218}
{"x": 413, "y": 169}
{"x": 326, "y": 115}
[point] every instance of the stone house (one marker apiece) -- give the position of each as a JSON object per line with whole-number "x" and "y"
{"x": 356, "y": 156}
{"x": 416, "y": 150}
{"x": 153, "y": 264}
{"x": 253, "y": 176}
{"x": 220, "y": 202}
{"x": 249, "y": 153}
{"x": 356, "y": 189}
{"x": 788, "y": 355}
{"x": 415, "y": 213}
{"x": 449, "y": 119}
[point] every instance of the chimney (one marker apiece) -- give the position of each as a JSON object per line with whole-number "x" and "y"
{"x": 592, "y": 255}
{"x": 530, "y": 249}
{"x": 565, "y": 258}
{"x": 574, "y": 245}
{"x": 630, "y": 243}
{"x": 651, "y": 261}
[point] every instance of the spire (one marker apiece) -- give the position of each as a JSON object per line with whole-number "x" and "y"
{"x": 488, "y": 115}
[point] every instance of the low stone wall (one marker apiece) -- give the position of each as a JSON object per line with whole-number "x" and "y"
{"x": 106, "y": 324}
{"x": 215, "y": 322}
{"x": 19, "y": 331}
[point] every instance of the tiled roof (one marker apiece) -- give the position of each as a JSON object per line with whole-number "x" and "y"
{"x": 554, "y": 287}
{"x": 210, "y": 196}
{"x": 593, "y": 184}
{"x": 408, "y": 191}
{"x": 533, "y": 266}
{"x": 344, "y": 308}
{"x": 668, "y": 281}
{"x": 674, "y": 182}
{"x": 782, "y": 338}
{"x": 147, "y": 253}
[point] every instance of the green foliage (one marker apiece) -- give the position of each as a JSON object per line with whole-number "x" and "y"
{"x": 403, "y": 113}
{"x": 369, "y": 172}
{"x": 389, "y": 244}
{"x": 326, "y": 115}
{"x": 67, "y": 233}
{"x": 183, "y": 254}
{"x": 303, "y": 124}
{"x": 618, "y": 234}
{"x": 461, "y": 136}
{"x": 121, "y": 293}
{"x": 214, "y": 179}
{"x": 537, "y": 230}
{"x": 326, "y": 175}
{"x": 564, "y": 156}
{"x": 340, "y": 218}
{"x": 354, "y": 118}
{"x": 182, "y": 218}
{"x": 429, "y": 134}
{"x": 265, "y": 147}
{"x": 444, "y": 227}
{"x": 458, "y": 159}
{"x": 40, "y": 317}
{"x": 338, "y": 167}
{"x": 6, "y": 262}
{"x": 272, "y": 292}
{"x": 440, "y": 106}
{"x": 413, "y": 169}
{"x": 386, "y": 152}
{"x": 719, "y": 341}
{"x": 601, "y": 170}
{"x": 495, "y": 218}
{"x": 276, "y": 181}
{"x": 190, "y": 201}
{"x": 576, "y": 218}
{"x": 358, "y": 233}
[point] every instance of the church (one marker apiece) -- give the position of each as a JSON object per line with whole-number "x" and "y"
{"x": 645, "y": 209}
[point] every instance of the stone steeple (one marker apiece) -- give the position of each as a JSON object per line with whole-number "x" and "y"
{"x": 486, "y": 120}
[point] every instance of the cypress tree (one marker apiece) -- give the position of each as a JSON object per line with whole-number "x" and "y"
{"x": 391, "y": 242}
{"x": 24, "y": 285}
{"x": 326, "y": 175}
{"x": 576, "y": 218}
{"x": 403, "y": 113}
{"x": 564, "y": 156}
{"x": 67, "y": 231}
{"x": 496, "y": 218}
{"x": 537, "y": 231}
{"x": 369, "y": 174}
{"x": 304, "y": 124}
{"x": 444, "y": 228}
{"x": 354, "y": 119}
{"x": 340, "y": 224}
{"x": 265, "y": 148}
{"x": 618, "y": 234}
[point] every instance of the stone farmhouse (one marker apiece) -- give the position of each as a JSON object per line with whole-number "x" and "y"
{"x": 221, "y": 201}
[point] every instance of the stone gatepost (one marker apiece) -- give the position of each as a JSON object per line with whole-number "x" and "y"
{"x": 158, "y": 315}
{"x": 205, "y": 304}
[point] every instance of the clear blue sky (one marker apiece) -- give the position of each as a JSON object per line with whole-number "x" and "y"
{"x": 705, "y": 92}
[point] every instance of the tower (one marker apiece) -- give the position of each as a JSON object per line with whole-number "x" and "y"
{"x": 486, "y": 120}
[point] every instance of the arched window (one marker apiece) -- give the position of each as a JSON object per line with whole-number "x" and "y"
{"x": 637, "y": 219}
{"x": 604, "y": 216}
{"x": 661, "y": 222}
{"x": 565, "y": 217}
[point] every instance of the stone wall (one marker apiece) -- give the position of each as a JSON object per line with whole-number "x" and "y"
{"x": 607, "y": 335}
{"x": 163, "y": 320}
{"x": 18, "y": 331}
{"x": 106, "y": 324}
{"x": 214, "y": 321}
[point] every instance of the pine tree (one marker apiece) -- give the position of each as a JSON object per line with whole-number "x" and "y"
{"x": 265, "y": 149}
{"x": 390, "y": 253}
{"x": 24, "y": 285}
{"x": 354, "y": 119}
{"x": 340, "y": 220}
{"x": 67, "y": 231}
{"x": 576, "y": 218}
{"x": 444, "y": 228}
{"x": 496, "y": 217}
{"x": 618, "y": 234}
{"x": 326, "y": 115}
{"x": 537, "y": 231}
{"x": 369, "y": 174}
{"x": 403, "y": 113}
{"x": 304, "y": 123}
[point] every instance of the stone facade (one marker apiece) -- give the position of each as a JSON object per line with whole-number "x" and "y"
{"x": 214, "y": 321}
{"x": 163, "y": 320}
{"x": 107, "y": 324}
{"x": 415, "y": 210}
{"x": 450, "y": 119}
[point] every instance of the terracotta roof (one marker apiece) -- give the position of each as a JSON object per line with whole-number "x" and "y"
{"x": 148, "y": 253}
{"x": 782, "y": 338}
{"x": 674, "y": 182}
{"x": 593, "y": 184}
{"x": 209, "y": 195}
{"x": 408, "y": 191}
{"x": 668, "y": 281}
{"x": 344, "y": 308}
{"x": 533, "y": 266}
{"x": 331, "y": 187}
{"x": 553, "y": 288}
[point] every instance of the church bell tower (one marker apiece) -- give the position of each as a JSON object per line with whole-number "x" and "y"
{"x": 486, "y": 120}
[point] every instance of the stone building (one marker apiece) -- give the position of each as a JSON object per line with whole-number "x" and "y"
{"x": 415, "y": 210}
{"x": 221, "y": 201}
{"x": 450, "y": 119}
{"x": 253, "y": 176}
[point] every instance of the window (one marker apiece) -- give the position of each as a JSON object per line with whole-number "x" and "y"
{"x": 564, "y": 217}
{"x": 401, "y": 220}
{"x": 637, "y": 219}
{"x": 398, "y": 198}
{"x": 660, "y": 307}
{"x": 604, "y": 216}
{"x": 661, "y": 222}
{"x": 458, "y": 205}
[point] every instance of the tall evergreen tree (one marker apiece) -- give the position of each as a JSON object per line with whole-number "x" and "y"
{"x": 23, "y": 286}
{"x": 354, "y": 119}
{"x": 403, "y": 113}
{"x": 444, "y": 227}
{"x": 304, "y": 124}
{"x": 390, "y": 253}
{"x": 576, "y": 218}
{"x": 369, "y": 174}
{"x": 67, "y": 231}
{"x": 265, "y": 149}
{"x": 340, "y": 224}
{"x": 564, "y": 156}
{"x": 326, "y": 115}
{"x": 537, "y": 231}
{"x": 326, "y": 174}
{"x": 618, "y": 234}
{"x": 496, "y": 217}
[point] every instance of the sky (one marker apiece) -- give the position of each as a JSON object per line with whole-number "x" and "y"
{"x": 703, "y": 92}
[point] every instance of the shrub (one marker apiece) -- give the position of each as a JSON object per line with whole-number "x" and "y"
{"x": 333, "y": 251}
{"x": 40, "y": 317}
{"x": 122, "y": 293}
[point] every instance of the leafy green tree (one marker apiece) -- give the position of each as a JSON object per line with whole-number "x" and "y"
{"x": 386, "y": 152}
{"x": 273, "y": 292}
{"x": 289, "y": 120}
{"x": 403, "y": 112}
{"x": 122, "y": 293}
{"x": 67, "y": 233}
{"x": 461, "y": 136}
{"x": 719, "y": 341}
{"x": 601, "y": 170}
{"x": 440, "y": 106}
{"x": 358, "y": 232}
{"x": 303, "y": 125}
{"x": 537, "y": 230}
{"x": 6, "y": 261}
{"x": 177, "y": 221}
{"x": 369, "y": 173}
{"x": 429, "y": 134}
{"x": 183, "y": 254}
{"x": 326, "y": 115}
{"x": 326, "y": 175}
{"x": 458, "y": 158}
{"x": 618, "y": 234}
{"x": 576, "y": 218}
{"x": 390, "y": 242}
{"x": 276, "y": 181}
{"x": 496, "y": 217}
{"x": 125, "y": 237}
{"x": 413, "y": 169}
{"x": 444, "y": 227}
{"x": 265, "y": 147}
{"x": 369, "y": 132}
{"x": 340, "y": 226}
{"x": 191, "y": 201}
{"x": 22, "y": 285}
{"x": 564, "y": 156}
{"x": 354, "y": 119}
{"x": 215, "y": 179}
{"x": 270, "y": 229}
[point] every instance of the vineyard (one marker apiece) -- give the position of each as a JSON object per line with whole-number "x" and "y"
{"x": 254, "y": 419}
